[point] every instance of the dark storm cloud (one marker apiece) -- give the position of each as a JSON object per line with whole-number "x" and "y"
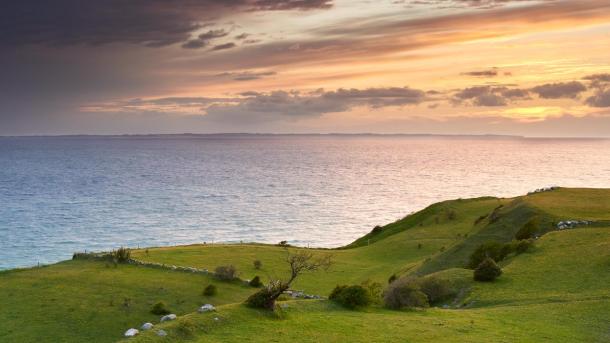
{"x": 567, "y": 90}
{"x": 152, "y": 23}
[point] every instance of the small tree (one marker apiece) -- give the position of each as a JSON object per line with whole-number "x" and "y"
{"x": 488, "y": 270}
{"x": 404, "y": 293}
{"x": 210, "y": 290}
{"x": 226, "y": 273}
{"x": 351, "y": 296}
{"x": 256, "y": 282}
{"x": 299, "y": 263}
{"x": 258, "y": 264}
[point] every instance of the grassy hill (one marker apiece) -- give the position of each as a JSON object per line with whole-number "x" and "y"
{"x": 558, "y": 291}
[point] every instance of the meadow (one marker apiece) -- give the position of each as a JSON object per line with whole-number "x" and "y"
{"x": 556, "y": 291}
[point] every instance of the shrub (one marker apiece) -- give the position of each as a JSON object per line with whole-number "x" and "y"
{"x": 160, "y": 309}
{"x": 451, "y": 215}
{"x": 255, "y": 282}
{"x": 528, "y": 230}
{"x": 336, "y": 291}
{"x": 495, "y": 250}
{"x": 488, "y": 270}
{"x": 121, "y": 255}
{"x": 376, "y": 229}
{"x": 480, "y": 219}
{"x": 392, "y": 278}
{"x": 404, "y": 293}
{"x": 436, "y": 289}
{"x": 351, "y": 296}
{"x": 523, "y": 246}
{"x": 258, "y": 264}
{"x": 226, "y": 273}
{"x": 266, "y": 297}
{"x": 283, "y": 244}
{"x": 375, "y": 290}
{"x": 210, "y": 290}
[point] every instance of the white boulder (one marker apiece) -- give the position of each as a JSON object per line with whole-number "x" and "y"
{"x": 206, "y": 308}
{"x": 131, "y": 332}
{"x": 147, "y": 326}
{"x": 168, "y": 317}
{"x": 161, "y": 333}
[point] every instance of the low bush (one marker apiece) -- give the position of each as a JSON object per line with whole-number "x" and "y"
{"x": 392, "y": 278}
{"x": 255, "y": 282}
{"x": 488, "y": 270}
{"x": 376, "y": 229}
{"x": 210, "y": 290}
{"x": 121, "y": 255}
{"x": 226, "y": 273}
{"x": 160, "y": 308}
{"x": 351, "y": 296}
{"x": 405, "y": 293}
{"x": 375, "y": 290}
{"x": 258, "y": 264}
{"x": 266, "y": 297}
{"x": 436, "y": 289}
{"x": 494, "y": 250}
{"x": 528, "y": 230}
{"x": 523, "y": 245}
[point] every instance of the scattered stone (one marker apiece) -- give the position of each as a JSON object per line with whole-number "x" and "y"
{"x": 206, "y": 308}
{"x": 216, "y": 318}
{"x": 131, "y": 332}
{"x": 168, "y": 317}
{"x": 543, "y": 189}
{"x": 161, "y": 333}
{"x": 570, "y": 224}
{"x": 147, "y": 326}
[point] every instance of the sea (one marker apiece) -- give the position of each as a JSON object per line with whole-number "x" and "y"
{"x": 64, "y": 194}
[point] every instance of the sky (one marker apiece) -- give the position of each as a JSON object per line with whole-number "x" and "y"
{"x": 518, "y": 67}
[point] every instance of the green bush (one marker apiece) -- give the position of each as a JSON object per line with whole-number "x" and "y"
{"x": 405, "y": 293}
{"x": 392, "y": 278}
{"x": 258, "y": 264}
{"x": 523, "y": 245}
{"x": 256, "y": 282}
{"x": 376, "y": 229}
{"x": 375, "y": 290}
{"x": 226, "y": 273}
{"x": 121, "y": 255}
{"x": 210, "y": 290}
{"x": 488, "y": 270}
{"x": 494, "y": 250}
{"x": 436, "y": 289}
{"x": 528, "y": 230}
{"x": 351, "y": 296}
{"x": 160, "y": 309}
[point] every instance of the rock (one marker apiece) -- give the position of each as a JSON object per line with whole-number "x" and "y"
{"x": 161, "y": 333}
{"x": 147, "y": 326}
{"x": 216, "y": 318}
{"x": 206, "y": 308}
{"x": 131, "y": 332}
{"x": 168, "y": 317}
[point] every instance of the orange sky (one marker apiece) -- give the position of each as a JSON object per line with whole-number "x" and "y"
{"x": 538, "y": 68}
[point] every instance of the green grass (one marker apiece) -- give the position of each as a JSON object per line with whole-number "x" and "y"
{"x": 557, "y": 292}
{"x": 78, "y": 301}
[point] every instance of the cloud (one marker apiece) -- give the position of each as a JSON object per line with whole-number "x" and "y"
{"x": 204, "y": 39}
{"x": 247, "y": 75}
{"x": 225, "y": 46}
{"x": 468, "y": 3}
{"x": 598, "y": 81}
{"x": 488, "y": 96}
{"x": 568, "y": 90}
{"x": 483, "y": 73}
{"x": 600, "y": 99}
{"x": 153, "y": 23}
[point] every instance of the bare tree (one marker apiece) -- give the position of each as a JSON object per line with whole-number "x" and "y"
{"x": 300, "y": 262}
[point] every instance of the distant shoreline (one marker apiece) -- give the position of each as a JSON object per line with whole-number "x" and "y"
{"x": 228, "y": 135}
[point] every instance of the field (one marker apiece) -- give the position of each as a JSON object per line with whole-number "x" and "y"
{"x": 556, "y": 292}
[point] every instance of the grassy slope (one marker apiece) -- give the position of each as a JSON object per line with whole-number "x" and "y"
{"x": 78, "y": 301}
{"x": 557, "y": 292}
{"x": 395, "y": 253}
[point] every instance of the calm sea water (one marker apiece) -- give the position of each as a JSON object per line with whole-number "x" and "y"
{"x": 64, "y": 194}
